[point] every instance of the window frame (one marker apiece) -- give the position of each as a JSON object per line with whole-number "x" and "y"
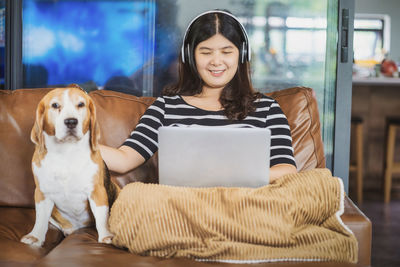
{"x": 384, "y": 32}
{"x": 13, "y": 52}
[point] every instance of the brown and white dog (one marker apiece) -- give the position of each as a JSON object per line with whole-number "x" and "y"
{"x": 73, "y": 186}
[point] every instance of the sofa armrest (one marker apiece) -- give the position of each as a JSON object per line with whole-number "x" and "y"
{"x": 361, "y": 226}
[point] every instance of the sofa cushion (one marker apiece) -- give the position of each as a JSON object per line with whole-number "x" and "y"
{"x": 15, "y": 223}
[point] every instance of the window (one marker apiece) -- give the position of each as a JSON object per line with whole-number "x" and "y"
{"x": 371, "y": 38}
{"x": 98, "y": 44}
{"x": 295, "y": 48}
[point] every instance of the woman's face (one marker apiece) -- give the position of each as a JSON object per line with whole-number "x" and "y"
{"x": 216, "y": 61}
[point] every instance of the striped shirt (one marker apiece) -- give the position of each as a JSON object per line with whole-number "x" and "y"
{"x": 174, "y": 111}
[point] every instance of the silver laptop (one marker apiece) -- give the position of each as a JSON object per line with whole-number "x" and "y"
{"x": 214, "y": 156}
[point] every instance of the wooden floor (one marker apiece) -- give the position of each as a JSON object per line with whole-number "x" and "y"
{"x": 385, "y": 220}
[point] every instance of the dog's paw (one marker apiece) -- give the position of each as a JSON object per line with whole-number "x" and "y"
{"x": 106, "y": 239}
{"x": 68, "y": 231}
{"x": 32, "y": 240}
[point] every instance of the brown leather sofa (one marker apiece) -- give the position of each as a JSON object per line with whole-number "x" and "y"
{"x": 118, "y": 114}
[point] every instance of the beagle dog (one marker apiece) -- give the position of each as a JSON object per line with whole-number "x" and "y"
{"x": 73, "y": 186}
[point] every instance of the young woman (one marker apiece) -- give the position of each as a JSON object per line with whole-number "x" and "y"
{"x": 214, "y": 89}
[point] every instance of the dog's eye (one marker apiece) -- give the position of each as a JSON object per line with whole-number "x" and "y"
{"x": 55, "y": 105}
{"x": 81, "y": 105}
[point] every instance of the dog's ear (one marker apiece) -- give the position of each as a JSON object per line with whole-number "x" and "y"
{"x": 37, "y": 130}
{"x": 74, "y": 85}
{"x": 93, "y": 126}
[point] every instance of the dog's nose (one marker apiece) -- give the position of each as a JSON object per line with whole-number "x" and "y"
{"x": 71, "y": 123}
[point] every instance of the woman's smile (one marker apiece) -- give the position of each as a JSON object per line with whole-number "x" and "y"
{"x": 217, "y": 73}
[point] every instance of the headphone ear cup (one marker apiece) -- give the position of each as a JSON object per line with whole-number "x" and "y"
{"x": 183, "y": 54}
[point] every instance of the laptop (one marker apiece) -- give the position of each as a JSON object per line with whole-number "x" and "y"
{"x": 214, "y": 156}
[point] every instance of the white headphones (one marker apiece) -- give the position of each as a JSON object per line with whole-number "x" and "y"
{"x": 245, "y": 51}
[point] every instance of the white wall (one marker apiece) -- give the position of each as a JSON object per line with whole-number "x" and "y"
{"x": 391, "y": 8}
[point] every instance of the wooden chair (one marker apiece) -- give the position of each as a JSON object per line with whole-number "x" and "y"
{"x": 357, "y": 165}
{"x": 391, "y": 167}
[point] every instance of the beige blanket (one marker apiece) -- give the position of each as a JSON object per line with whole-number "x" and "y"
{"x": 295, "y": 218}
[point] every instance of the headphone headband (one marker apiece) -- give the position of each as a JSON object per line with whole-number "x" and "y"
{"x": 246, "y": 53}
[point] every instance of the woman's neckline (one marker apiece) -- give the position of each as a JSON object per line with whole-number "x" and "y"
{"x": 196, "y": 107}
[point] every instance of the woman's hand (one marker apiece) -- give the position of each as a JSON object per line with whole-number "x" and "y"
{"x": 280, "y": 170}
{"x": 122, "y": 159}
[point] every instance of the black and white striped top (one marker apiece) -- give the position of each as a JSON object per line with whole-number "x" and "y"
{"x": 174, "y": 111}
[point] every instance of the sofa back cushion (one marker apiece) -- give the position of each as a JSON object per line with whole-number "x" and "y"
{"x": 17, "y": 115}
{"x": 118, "y": 114}
{"x": 300, "y": 107}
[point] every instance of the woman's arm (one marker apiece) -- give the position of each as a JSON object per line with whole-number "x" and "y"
{"x": 122, "y": 159}
{"x": 280, "y": 170}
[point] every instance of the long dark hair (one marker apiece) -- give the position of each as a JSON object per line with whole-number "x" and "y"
{"x": 237, "y": 98}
